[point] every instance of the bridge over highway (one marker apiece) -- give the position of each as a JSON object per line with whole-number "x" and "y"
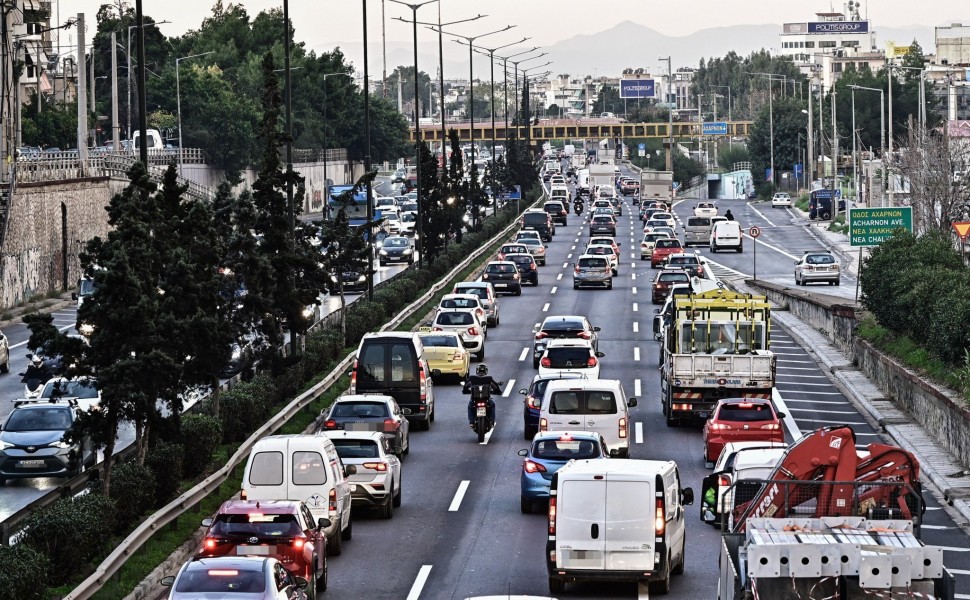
{"x": 565, "y": 129}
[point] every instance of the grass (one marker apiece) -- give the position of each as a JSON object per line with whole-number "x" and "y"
{"x": 838, "y": 224}
{"x": 802, "y": 203}
{"x": 915, "y": 357}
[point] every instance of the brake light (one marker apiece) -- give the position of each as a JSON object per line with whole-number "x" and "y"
{"x": 533, "y": 467}
{"x": 576, "y": 269}
{"x": 332, "y": 504}
{"x": 376, "y": 466}
{"x": 533, "y": 402}
{"x": 771, "y": 426}
{"x": 661, "y": 519}
{"x": 724, "y": 480}
{"x": 542, "y": 334}
{"x": 391, "y": 425}
{"x": 591, "y": 361}
{"x": 545, "y": 362}
{"x": 552, "y": 515}
{"x": 353, "y": 380}
{"x": 745, "y": 405}
{"x": 223, "y": 572}
{"x": 543, "y": 425}
{"x": 585, "y": 335}
{"x": 423, "y": 384}
{"x": 436, "y": 329}
{"x": 719, "y": 426}
{"x": 210, "y": 543}
{"x": 243, "y": 495}
{"x": 456, "y": 356}
{"x": 532, "y": 266}
{"x": 298, "y": 543}
{"x": 330, "y": 424}
{"x": 472, "y": 331}
{"x": 622, "y": 427}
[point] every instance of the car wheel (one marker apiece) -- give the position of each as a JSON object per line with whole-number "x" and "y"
{"x": 348, "y": 534}
{"x": 422, "y": 425}
{"x": 386, "y": 510}
{"x": 837, "y": 282}
{"x": 407, "y": 446}
{"x": 400, "y": 492}
{"x": 335, "y": 544}
{"x": 431, "y": 418}
{"x": 480, "y": 356}
{"x": 662, "y": 587}
{"x": 557, "y": 585}
{"x": 518, "y": 292}
{"x": 740, "y": 249}
{"x": 528, "y": 433}
{"x": 322, "y": 577}
{"x": 525, "y": 505}
{"x": 5, "y": 367}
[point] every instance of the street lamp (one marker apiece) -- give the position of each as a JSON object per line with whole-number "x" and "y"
{"x": 128, "y": 55}
{"x": 771, "y": 117}
{"x": 178, "y": 100}
{"x": 670, "y": 114}
{"x": 515, "y": 64}
{"x": 505, "y": 70}
{"x": 419, "y": 229}
{"x": 730, "y": 117}
{"x": 326, "y": 182}
{"x": 882, "y": 136}
{"x": 491, "y": 57}
{"x": 525, "y": 77}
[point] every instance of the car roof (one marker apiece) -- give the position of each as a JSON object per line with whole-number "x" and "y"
{"x": 600, "y": 256}
{"x": 461, "y": 297}
{"x": 242, "y": 507}
{"x": 758, "y": 457}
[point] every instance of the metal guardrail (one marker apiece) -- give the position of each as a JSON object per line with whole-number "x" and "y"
{"x": 305, "y": 155}
{"x": 137, "y": 538}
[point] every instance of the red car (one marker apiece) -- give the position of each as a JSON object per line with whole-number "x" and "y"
{"x": 282, "y": 529}
{"x": 666, "y": 280}
{"x": 662, "y": 249}
{"x": 741, "y": 420}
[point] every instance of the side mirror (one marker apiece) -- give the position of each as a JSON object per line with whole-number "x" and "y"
{"x": 618, "y": 245}
{"x": 350, "y": 470}
{"x": 631, "y": 402}
{"x": 523, "y": 391}
{"x": 545, "y": 245}
{"x": 301, "y": 582}
{"x": 781, "y": 415}
{"x": 600, "y": 355}
{"x": 323, "y": 523}
{"x": 656, "y": 311}
{"x": 207, "y": 522}
{"x": 597, "y": 328}
{"x": 168, "y": 580}
{"x": 523, "y": 452}
{"x": 436, "y": 372}
{"x": 687, "y": 496}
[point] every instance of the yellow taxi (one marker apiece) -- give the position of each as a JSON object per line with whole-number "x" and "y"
{"x": 445, "y": 353}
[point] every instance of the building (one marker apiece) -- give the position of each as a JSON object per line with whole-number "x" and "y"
{"x": 953, "y": 45}
{"x": 573, "y": 96}
{"x": 676, "y": 89}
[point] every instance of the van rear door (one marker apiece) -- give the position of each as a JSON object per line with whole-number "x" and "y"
{"x": 389, "y": 366}
{"x": 580, "y": 522}
{"x": 566, "y": 410}
{"x": 629, "y": 534}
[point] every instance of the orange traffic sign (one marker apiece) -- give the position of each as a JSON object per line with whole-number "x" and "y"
{"x": 962, "y": 229}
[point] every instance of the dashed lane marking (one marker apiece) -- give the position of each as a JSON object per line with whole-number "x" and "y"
{"x": 636, "y": 327}
{"x": 636, "y": 353}
{"x": 634, "y": 291}
{"x": 508, "y": 388}
{"x": 638, "y": 432}
{"x": 559, "y": 277}
{"x": 545, "y": 307}
{"x": 459, "y": 495}
{"x": 553, "y": 290}
{"x": 525, "y": 352}
{"x": 419, "y": 582}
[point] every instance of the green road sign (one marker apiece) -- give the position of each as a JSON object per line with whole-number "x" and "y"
{"x": 871, "y": 226}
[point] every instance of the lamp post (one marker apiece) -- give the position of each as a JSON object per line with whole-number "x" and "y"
{"x": 326, "y": 181}
{"x": 178, "y": 100}
{"x": 670, "y": 115}
{"x": 505, "y": 70}
{"x": 525, "y": 86}
{"x": 128, "y": 55}
{"x": 730, "y": 117}
{"x": 491, "y": 57}
{"x": 515, "y": 64}
{"x": 882, "y": 133}
{"x": 771, "y": 117}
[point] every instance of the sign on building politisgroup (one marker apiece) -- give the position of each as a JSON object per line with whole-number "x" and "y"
{"x": 637, "y": 88}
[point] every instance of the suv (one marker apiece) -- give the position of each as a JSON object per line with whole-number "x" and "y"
{"x": 595, "y": 270}
{"x": 602, "y": 225}
{"x": 371, "y": 412}
{"x": 741, "y": 420}
{"x": 557, "y": 210}
{"x": 693, "y": 264}
{"x": 539, "y": 220}
{"x": 393, "y": 363}
{"x": 377, "y": 482}
{"x": 570, "y": 356}
{"x": 486, "y": 293}
{"x": 562, "y": 327}
{"x": 34, "y": 442}
{"x": 526, "y": 266}
{"x": 817, "y": 266}
{"x": 465, "y": 323}
{"x": 504, "y": 276}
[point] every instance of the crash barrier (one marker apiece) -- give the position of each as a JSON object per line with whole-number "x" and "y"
{"x": 137, "y": 538}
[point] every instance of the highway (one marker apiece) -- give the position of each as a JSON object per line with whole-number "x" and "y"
{"x": 459, "y": 532}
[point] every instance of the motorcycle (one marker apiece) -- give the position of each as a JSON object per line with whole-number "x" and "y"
{"x": 35, "y": 377}
{"x": 578, "y": 207}
{"x": 481, "y": 396}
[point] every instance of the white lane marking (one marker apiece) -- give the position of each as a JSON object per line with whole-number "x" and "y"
{"x": 570, "y": 255}
{"x": 525, "y": 352}
{"x": 635, "y": 307}
{"x": 835, "y": 402}
{"x": 419, "y": 582}
{"x": 633, "y": 265}
{"x": 565, "y": 264}
{"x": 633, "y": 276}
{"x": 636, "y": 388}
{"x": 24, "y": 343}
{"x": 643, "y": 590}
{"x": 634, "y": 291}
{"x": 775, "y": 248}
{"x": 553, "y": 290}
{"x": 636, "y": 327}
{"x": 545, "y": 307}
{"x": 577, "y": 239}
{"x": 760, "y": 214}
{"x": 638, "y": 432}
{"x": 826, "y": 412}
{"x": 459, "y": 495}
{"x": 632, "y": 255}
{"x": 508, "y": 388}
{"x": 636, "y": 353}
{"x": 573, "y": 248}
{"x": 789, "y": 419}
{"x": 938, "y": 527}
{"x": 559, "y": 277}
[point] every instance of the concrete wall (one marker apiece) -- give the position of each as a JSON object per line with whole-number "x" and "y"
{"x": 31, "y": 259}
{"x": 828, "y": 314}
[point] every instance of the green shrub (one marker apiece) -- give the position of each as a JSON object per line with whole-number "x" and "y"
{"x": 133, "y": 490}
{"x": 246, "y": 407}
{"x": 70, "y": 533}
{"x": 24, "y": 573}
{"x": 166, "y": 462}
{"x": 949, "y": 336}
{"x": 201, "y": 435}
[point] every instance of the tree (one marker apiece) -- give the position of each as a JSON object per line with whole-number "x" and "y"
{"x": 455, "y": 193}
{"x": 552, "y": 110}
{"x": 54, "y": 127}
{"x": 432, "y": 199}
{"x": 789, "y": 122}
{"x": 404, "y": 77}
{"x": 608, "y": 100}
{"x": 933, "y": 165}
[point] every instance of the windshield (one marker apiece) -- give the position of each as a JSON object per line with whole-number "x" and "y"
{"x": 58, "y": 388}
{"x": 565, "y": 449}
{"x": 682, "y": 260}
{"x": 55, "y": 418}
{"x": 356, "y": 448}
{"x": 256, "y": 524}
{"x": 459, "y": 303}
{"x": 711, "y": 337}
{"x": 439, "y": 341}
{"x": 87, "y": 287}
{"x": 396, "y": 243}
{"x": 221, "y": 581}
{"x": 513, "y": 248}
{"x": 819, "y": 259}
{"x": 521, "y": 259}
{"x": 359, "y": 410}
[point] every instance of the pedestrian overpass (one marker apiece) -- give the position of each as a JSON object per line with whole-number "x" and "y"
{"x": 567, "y": 129}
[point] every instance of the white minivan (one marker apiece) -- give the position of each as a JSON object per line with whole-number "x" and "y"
{"x": 616, "y": 520}
{"x": 306, "y": 468}
{"x": 598, "y": 405}
{"x": 726, "y": 235}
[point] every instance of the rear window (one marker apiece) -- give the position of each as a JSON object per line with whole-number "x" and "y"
{"x": 440, "y": 341}
{"x": 258, "y": 524}
{"x": 661, "y": 215}
{"x": 535, "y": 218}
{"x": 563, "y": 326}
{"x": 599, "y": 250}
{"x": 668, "y": 243}
{"x": 745, "y": 412}
{"x": 360, "y": 410}
{"x": 481, "y": 292}
{"x": 222, "y": 581}
{"x": 653, "y": 237}
{"x": 522, "y": 259}
{"x": 602, "y": 219}
{"x": 668, "y": 277}
{"x": 568, "y": 357}
{"x": 565, "y": 449}
{"x": 459, "y": 303}
{"x": 592, "y": 263}
{"x": 564, "y": 403}
{"x": 682, "y": 260}
{"x": 499, "y": 268}
{"x": 552, "y": 206}
{"x": 600, "y": 403}
{"x": 511, "y": 248}
{"x": 699, "y": 221}
{"x": 309, "y": 468}
{"x": 454, "y": 318}
{"x": 266, "y": 469}
{"x": 356, "y": 448}
{"x": 370, "y": 365}
{"x": 819, "y": 259}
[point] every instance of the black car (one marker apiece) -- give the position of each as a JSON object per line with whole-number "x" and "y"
{"x": 396, "y": 249}
{"x": 557, "y": 211}
{"x": 504, "y": 277}
{"x": 602, "y": 225}
{"x": 562, "y": 327}
{"x": 34, "y": 442}
{"x": 352, "y": 280}
{"x": 540, "y": 221}
{"x": 528, "y": 272}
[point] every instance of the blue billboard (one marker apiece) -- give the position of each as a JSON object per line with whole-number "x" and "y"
{"x": 716, "y": 128}
{"x": 637, "y": 88}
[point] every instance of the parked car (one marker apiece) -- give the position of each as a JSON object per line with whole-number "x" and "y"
{"x": 378, "y": 480}
{"x": 550, "y": 451}
{"x": 371, "y": 412}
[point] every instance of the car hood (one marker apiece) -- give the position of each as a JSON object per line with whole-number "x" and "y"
{"x": 31, "y": 438}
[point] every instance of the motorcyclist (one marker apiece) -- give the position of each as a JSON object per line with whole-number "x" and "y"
{"x": 728, "y": 215}
{"x": 578, "y": 206}
{"x": 481, "y": 377}
{"x": 36, "y": 370}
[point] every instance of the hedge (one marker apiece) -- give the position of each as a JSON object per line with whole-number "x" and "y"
{"x": 24, "y": 573}
{"x": 133, "y": 491}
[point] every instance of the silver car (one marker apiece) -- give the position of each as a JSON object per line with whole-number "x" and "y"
{"x": 817, "y": 266}
{"x": 377, "y": 483}
{"x": 536, "y": 248}
{"x": 4, "y": 354}
{"x": 486, "y": 293}
{"x": 593, "y": 270}
{"x": 226, "y": 577}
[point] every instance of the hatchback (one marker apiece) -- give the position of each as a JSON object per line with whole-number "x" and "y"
{"x": 486, "y": 293}
{"x": 691, "y": 263}
{"x": 34, "y": 442}
{"x": 506, "y": 249}
{"x": 593, "y": 270}
{"x": 782, "y": 199}
{"x": 465, "y": 323}
{"x": 817, "y": 266}
{"x": 666, "y": 217}
{"x": 371, "y": 412}
{"x": 648, "y": 242}
{"x": 549, "y": 452}
{"x": 249, "y": 577}
{"x": 664, "y": 281}
{"x": 557, "y": 210}
{"x": 396, "y": 249}
{"x": 609, "y": 253}
{"x": 662, "y": 249}
{"x": 504, "y": 277}
{"x": 741, "y": 420}
{"x": 377, "y": 482}
{"x": 570, "y": 356}
{"x": 562, "y": 327}
{"x": 602, "y": 225}
{"x": 446, "y": 354}
{"x": 536, "y": 248}
{"x": 528, "y": 272}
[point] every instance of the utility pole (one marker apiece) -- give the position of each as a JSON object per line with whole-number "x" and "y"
{"x": 810, "y": 155}
{"x": 82, "y": 109}
{"x": 142, "y": 103}
{"x": 294, "y": 335}
{"x": 835, "y": 154}
{"x": 670, "y": 115}
{"x": 384, "y": 72}
{"x": 889, "y": 156}
{"x": 115, "y": 125}
{"x": 370, "y": 201}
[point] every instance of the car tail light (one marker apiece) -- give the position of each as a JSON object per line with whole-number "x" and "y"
{"x": 423, "y": 383}
{"x": 330, "y": 424}
{"x": 771, "y": 426}
{"x": 353, "y": 378}
{"x": 376, "y": 466}
{"x": 719, "y": 426}
{"x": 243, "y": 495}
{"x": 533, "y": 402}
{"x": 808, "y": 268}
{"x": 473, "y": 331}
{"x": 585, "y": 335}
{"x": 210, "y": 543}
{"x": 391, "y": 425}
{"x": 437, "y": 329}
{"x": 591, "y": 361}
{"x": 532, "y": 266}
{"x": 545, "y": 362}
{"x": 543, "y": 425}
{"x": 456, "y": 356}
{"x": 724, "y": 480}
{"x": 576, "y": 269}
{"x": 542, "y": 334}
{"x": 332, "y": 504}
{"x": 299, "y": 542}
{"x": 552, "y": 515}
{"x": 533, "y": 467}
{"x": 661, "y": 518}
{"x": 622, "y": 427}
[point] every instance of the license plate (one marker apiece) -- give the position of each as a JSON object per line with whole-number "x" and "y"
{"x": 353, "y": 487}
{"x": 480, "y": 411}
{"x": 253, "y": 550}
{"x": 31, "y": 464}
{"x": 501, "y": 285}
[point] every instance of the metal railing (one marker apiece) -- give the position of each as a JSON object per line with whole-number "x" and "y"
{"x": 137, "y": 538}
{"x": 306, "y": 155}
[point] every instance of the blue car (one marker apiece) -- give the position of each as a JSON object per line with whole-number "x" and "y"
{"x": 548, "y": 453}
{"x": 533, "y": 401}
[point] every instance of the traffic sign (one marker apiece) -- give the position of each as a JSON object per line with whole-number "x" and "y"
{"x": 717, "y": 128}
{"x": 872, "y": 226}
{"x": 754, "y": 232}
{"x": 962, "y": 229}
{"x": 641, "y": 149}
{"x": 514, "y": 194}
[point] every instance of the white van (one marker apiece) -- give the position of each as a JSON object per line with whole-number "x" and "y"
{"x": 616, "y": 520}
{"x": 152, "y": 135}
{"x": 598, "y": 405}
{"x": 305, "y": 468}
{"x": 726, "y": 235}
{"x": 559, "y": 192}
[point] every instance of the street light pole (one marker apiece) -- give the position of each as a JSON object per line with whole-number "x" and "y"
{"x": 882, "y": 133}
{"x": 326, "y": 180}
{"x": 491, "y": 58}
{"x": 142, "y": 108}
{"x": 515, "y": 79}
{"x": 505, "y": 69}
{"x": 178, "y": 100}
{"x": 730, "y": 118}
{"x": 670, "y": 115}
{"x": 128, "y": 55}
{"x": 367, "y": 166}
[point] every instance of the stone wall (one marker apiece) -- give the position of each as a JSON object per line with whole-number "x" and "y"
{"x": 32, "y": 259}
{"x": 828, "y": 314}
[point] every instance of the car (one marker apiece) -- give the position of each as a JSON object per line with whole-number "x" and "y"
{"x": 662, "y": 249}
{"x": 526, "y": 234}
{"x": 666, "y": 280}
{"x": 511, "y": 248}
{"x": 655, "y": 224}
{"x": 604, "y": 241}
{"x": 549, "y": 452}
{"x": 526, "y": 264}
{"x": 371, "y": 412}
{"x": 34, "y": 441}
{"x": 465, "y": 301}
{"x": 466, "y": 324}
{"x": 408, "y": 223}
{"x": 396, "y": 249}
{"x": 486, "y": 293}
{"x": 393, "y": 363}
{"x": 399, "y": 176}
{"x": 595, "y": 270}
{"x": 4, "y": 354}
{"x": 377, "y": 482}
{"x": 648, "y": 242}
{"x": 537, "y": 249}
{"x": 602, "y": 210}
{"x": 557, "y": 210}
{"x": 282, "y": 529}
{"x": 666, "y": 217}
{"x": 562, "y": 327}
{"x": 532, "y": 401}
{"x": 705, "y": 209}
{"x": 504, "y": 276}
{"x": 83, "y": 389}
{"x": 741, "y": 420}
{"x": 351, "y": 279}
{"x": 599, "y": 405}
{"x": 664, "y": 229}
{"x": 781, "y": 199}
{"x": 406, "y": 205}
{"x": 570, "y": 356}
{"x": 629, "y": 187}
{"x": 726, "y": 235}
{"x": 738, "y": 469}
{"x": 603, "y": 225}
{"x": 224, "y": 577}
{"x": 385, "y": 202}
{"x": 817, "y": 266}
{"x": 690, "y": 262}
{"x": 697, "y": 231}
{"x": 446, "y": 354}
{"x": 609, "y": 253}
{"x": 617, "y": 206}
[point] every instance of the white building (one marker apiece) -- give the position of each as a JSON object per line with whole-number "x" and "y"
{"x": 830, "y": 42}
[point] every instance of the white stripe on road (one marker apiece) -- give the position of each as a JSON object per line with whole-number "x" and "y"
{"x": 459, "y": 495}
{"x": 545, "y": 307}
{"x": 636, "y": 388}
{"x": 636, "y": 353}
{"x": 569, "y": 255}
{"x": 565, "y": 264}
{"x": 634, "y": 291}
{"x": 635, "y": 307}
{"x": 525, "y": 352}
{"x": 553, "y": 290}
{"x": 419, "y": 582}
{"x": 824, "y": 412}
{"x": 24, "y": 343}
{"x": 559, "y": 277}
{"x": 643, "y": 590}
{"x": 789, "y": 419}
{"x": 633, "y": 265}
{"x": 508, "y": 388}
{"x": 633, "y": 276}
{"x": 573, "y": 248}
{"x": 636, "y": 327}
{"x": 791, "y": 401}
{"x": 760, "y": 214}
{"x": 925, "y": 526}
{"x": 638, "y": 432}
